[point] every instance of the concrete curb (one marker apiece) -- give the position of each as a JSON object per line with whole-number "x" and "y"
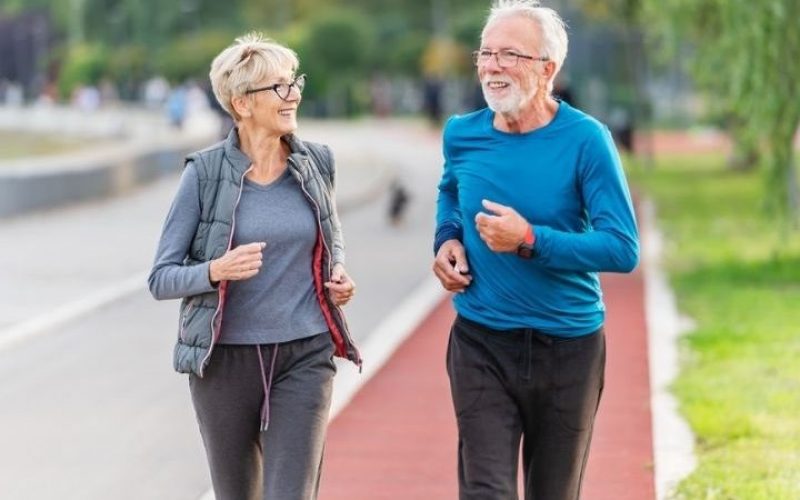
{"x": 101, "y": 176}
{"x": 30, "y": 184}
{"x": 137, "y": 147}
{"x": 673, "y": 440}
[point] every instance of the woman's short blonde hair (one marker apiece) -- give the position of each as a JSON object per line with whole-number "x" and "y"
{"x": 250, "y": 60}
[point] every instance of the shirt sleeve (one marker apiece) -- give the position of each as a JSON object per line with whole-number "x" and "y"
{"x": 171, "y": 277}
{"x": 612, "y": 243}
{"x": 448, "y": 213}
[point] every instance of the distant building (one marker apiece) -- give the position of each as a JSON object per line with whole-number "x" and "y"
{"x": 25, "y": 42}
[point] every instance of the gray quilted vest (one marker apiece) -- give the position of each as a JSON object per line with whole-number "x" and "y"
{"x": 220, "y": 169}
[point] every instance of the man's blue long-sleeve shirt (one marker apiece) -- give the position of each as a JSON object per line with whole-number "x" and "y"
{"x": 566, "y": 179}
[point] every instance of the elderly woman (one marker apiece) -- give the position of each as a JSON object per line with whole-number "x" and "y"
{"x": 253, "y": 246}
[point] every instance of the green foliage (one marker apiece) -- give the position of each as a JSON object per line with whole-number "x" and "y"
{"x": 339, "y": 42}
{"x": 336, "y": 53}
{"x": 444, "y": 58}
{"x": 627, "y": 12}
{"x": 739, "y": 280}
{"x": 399, "y": 45}
{"x": 82, "y": 63}
{"x": 467, "y": 26}
{"x": 190, "y": 56}
{"x": 747, "y": 56}
{"x": 404, "y": 55}
{"x": 128, "y": 63}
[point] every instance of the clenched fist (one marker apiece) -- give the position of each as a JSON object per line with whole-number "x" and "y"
{"x": 238, "y": 263}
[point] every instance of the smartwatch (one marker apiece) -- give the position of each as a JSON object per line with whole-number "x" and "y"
{"x": 525, "y": 249}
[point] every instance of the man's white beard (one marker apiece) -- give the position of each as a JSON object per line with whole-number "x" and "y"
{"x": 509, "y": 104}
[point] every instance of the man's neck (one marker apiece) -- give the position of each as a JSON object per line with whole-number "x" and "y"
{"x": 528, "y": 118}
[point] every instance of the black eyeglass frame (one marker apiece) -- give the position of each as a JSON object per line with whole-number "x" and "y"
{"x": 487, "y": 55}
{"x": 299, "y": 83}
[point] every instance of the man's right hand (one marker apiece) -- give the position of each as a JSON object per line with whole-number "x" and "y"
{"x": 238, "y": 263}
{"x": 450, "y": 266}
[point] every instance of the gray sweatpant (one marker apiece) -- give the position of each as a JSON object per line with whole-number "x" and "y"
{"x": 282, "y": 462}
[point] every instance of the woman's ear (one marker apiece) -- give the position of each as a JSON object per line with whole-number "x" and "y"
{"x": 241, "y": 105}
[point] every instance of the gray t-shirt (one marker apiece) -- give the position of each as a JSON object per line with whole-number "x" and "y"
{"x": 279, "y": 303}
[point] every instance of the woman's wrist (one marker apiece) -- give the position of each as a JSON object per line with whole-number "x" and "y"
{"x": 212, "y": 274}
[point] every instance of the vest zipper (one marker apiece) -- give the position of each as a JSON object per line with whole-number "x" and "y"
{"x": 223, "y": 285}
{"x": 339, "y": 312}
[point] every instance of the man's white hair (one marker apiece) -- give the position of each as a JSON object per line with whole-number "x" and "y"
{"x": 553, "y": 29}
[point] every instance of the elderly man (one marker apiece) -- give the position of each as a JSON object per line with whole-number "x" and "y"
{"x": 533, "y": 203}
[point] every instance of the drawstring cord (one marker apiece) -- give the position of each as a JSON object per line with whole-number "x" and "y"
{"x": 266, "y": 382}
{"x": 527, "y": 358}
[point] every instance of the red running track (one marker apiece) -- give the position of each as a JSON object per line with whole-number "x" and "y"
{"x": 397, "y": 437}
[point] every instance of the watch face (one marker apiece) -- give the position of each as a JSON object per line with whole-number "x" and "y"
{"x": 525, "y": 251}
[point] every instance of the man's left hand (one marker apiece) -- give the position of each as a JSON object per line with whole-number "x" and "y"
{"x": 503, "y": 229}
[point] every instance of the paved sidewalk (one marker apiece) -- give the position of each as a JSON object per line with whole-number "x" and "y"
{"x": 397, "y": 438}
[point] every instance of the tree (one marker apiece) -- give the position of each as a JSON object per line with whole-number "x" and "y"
{"x": 748, "y": 55}
{"x": 337, "y": 53}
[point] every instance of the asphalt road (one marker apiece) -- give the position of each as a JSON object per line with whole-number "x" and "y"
{"x": 89, "y": 405}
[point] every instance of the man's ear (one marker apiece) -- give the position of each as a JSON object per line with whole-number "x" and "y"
{"x": 549, "y": 69}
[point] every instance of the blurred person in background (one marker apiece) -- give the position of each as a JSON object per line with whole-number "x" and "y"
{"x": 176, "y": 105}
{"x": 253, "y": 246}
{"x": 532, "y": 204}
{"x": 155, "y": 92}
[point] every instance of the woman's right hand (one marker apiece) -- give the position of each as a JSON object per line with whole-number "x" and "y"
{"x": 238, "y": 263}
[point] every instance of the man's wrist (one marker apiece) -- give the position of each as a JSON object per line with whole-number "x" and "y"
{"x": 446, "y": 231}
{"x": 525, "y": 248}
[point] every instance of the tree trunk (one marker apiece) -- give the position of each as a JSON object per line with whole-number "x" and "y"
{"x": 793, "y": 196}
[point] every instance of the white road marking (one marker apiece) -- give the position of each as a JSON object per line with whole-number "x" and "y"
{"x": 49, "y": 321}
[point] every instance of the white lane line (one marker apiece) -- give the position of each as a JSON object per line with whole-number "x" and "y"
{"x": 673, "y": 440}
{"x": 59, "y": 316}
{"x": 384, "y": 340}
{"x": 378, "y": 348}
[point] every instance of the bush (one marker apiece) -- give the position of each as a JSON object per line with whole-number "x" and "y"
{"x": 128, "y": 68}
{"x": 83, "y": 64}
{"x": 338, "y": 47}
{"x": 190, "y": 56}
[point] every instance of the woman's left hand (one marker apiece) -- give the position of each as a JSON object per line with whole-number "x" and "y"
{"x": 341, "y": 287}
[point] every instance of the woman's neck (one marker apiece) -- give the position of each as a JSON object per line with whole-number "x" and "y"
{"x": 267, "y": 152}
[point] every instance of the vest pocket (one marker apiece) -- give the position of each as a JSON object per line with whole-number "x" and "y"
{"x": 184, "y": 320}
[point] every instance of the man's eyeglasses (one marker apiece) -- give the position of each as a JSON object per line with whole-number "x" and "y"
{"x": 505, "y": 58}
{"x": 283, "y": 89}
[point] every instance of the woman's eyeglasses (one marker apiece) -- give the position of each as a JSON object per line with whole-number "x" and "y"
{"x": 283, "y": 90}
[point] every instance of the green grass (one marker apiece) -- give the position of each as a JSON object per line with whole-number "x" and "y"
{"x": 738, "y": 276}
{"x": 18, "y": 145}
